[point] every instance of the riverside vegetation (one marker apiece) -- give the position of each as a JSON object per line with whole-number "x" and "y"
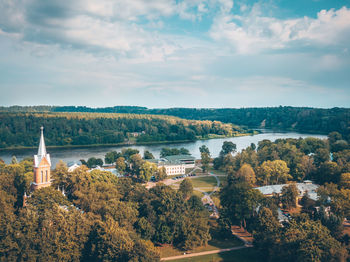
{"x": 76, "y": 129}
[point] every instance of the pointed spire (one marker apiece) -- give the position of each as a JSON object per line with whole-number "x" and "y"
{"x": 42, "y": 148}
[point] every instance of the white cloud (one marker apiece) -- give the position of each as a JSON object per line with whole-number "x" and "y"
{"x": 254, "y": 32}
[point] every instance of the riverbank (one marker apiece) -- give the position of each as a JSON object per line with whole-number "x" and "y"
{"x": 99, "y": 151}
{"x": 128, "y": 143}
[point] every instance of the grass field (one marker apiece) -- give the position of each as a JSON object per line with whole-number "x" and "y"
{"x": 217, "y": 242}
{"x": 242, "y": 255}
{"x": 198, "y": 194}
{"x": 208, "y": 181}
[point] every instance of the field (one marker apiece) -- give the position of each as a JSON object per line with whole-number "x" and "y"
{"x": 217, "y": 242}
{"x": 242, "y": 255}
{"x": 206, "y": 182}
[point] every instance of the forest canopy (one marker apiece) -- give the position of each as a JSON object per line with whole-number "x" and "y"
{"x": 302, "y": 119}
{"x": 73, "y": 129}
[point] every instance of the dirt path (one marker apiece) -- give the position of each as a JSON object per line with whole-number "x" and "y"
{"x": 203, "y": 253}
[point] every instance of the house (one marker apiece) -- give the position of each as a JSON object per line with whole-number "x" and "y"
{"x": 175, "y": 165}
{"x": 306, "y": 186}
{"x": 73, "y": 165}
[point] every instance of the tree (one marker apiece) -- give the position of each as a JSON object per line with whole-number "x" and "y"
{"x": 186, "y": 188}
{"x": 266, "y": 232}
{"x": 306, "y": 168}
{"x": 120, "y": 164}
{"x": 93, "y": 162}
{"x": 328, "y": 172}
{"x": 146, "y": 170}
{"x": 289, "y": 196}
{"x": 60, "y": 174}
{"x": 345, "y": 180}
{"x": 273, "y": 172}
{"x": 160, "y": 174}
{"x": 111, "y": 157}
{"x": 205, "y": 160}
{"x": 228, "y": 147}
{"x": 148, "y": 155}
{"x": 247, "y": 174}
{"x": 252, "y": 146}
{"x": 204, "y": 149}
{"x": 14, "y": 160}
{"x": 239, "y": 202}
{"x": 307, "y": 240}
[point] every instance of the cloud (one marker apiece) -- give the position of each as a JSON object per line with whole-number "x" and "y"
{"x": 253, "y": 32}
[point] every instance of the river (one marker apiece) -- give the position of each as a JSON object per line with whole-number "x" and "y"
{"x": 214, "y": 145}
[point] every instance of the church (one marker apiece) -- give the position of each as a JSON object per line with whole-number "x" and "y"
{"x": 42, "y": 166}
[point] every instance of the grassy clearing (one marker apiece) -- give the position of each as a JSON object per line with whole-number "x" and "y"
{"x": 198, "y": 193}
{"x": 208, "y": 181}
{"x": 242, "y": 255}
{"x": 217, "y": 242}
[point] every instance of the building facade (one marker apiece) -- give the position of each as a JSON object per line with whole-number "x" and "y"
{"x": 175, "y": 165}
{"x": 42, "y": 166}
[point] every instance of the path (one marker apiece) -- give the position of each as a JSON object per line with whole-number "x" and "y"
{"x": 207, "y": 199}
{"x": 203, "y": 253}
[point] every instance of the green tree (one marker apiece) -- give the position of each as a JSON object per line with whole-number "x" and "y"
{"x": 239, "y": 202}
{"x": 111, "y": 157}
{"x": 289, "y": 196}
{"x": 186, "y": 188}
{"x": 228, "y": 147}
{"x": 205, "y": 160}
{"x": 148, "y": 155}
{"x": 160, "y": 174}
{"x": 266, "y": 232}
{"x": 247, "y": 174}
{"x": 273, "y": 172}
{"x": 307, "y": 240}
{"x": 120, "y": 164}
{"x": 146, "y": 170}
{"x": 345, "y": 180}
{"x": 204, "y": 149}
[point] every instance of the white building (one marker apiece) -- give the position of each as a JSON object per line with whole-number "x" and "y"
{"x": 307, "y": 185}
{"x": 175, "y": 165}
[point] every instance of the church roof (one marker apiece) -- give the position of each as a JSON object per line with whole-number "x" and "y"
{"x": 41, "y": 151}
{"x": 42, "y": 148}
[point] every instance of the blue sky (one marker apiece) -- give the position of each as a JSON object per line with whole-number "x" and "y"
{"x": 185, "y": 53}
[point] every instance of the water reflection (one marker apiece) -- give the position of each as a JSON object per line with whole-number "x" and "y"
{"x": 214, "y": 145}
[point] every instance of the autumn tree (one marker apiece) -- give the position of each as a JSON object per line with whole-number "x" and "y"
{"x": 273, "y": 172}
{"x": 247, "y": 174}
{"x": 289, "y": 196}
{"x": 186, "y": 188}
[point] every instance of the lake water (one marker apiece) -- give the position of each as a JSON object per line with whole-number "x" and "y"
{"x": 214, "y": 145}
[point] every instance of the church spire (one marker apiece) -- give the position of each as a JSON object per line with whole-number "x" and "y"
{"x": 42, "y": 165}
{"x": 42, "y": 148}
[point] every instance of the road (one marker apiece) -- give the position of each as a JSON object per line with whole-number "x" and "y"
{"x": 203, "y": 253}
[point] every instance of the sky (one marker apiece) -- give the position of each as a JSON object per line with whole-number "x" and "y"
{"x": 184, "y": 53}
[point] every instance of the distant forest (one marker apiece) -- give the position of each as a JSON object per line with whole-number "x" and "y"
{"x": 302, "y": 119}
{"x": 74, "y": 129}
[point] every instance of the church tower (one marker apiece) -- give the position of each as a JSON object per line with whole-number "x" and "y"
{"x": 42, "y": 165}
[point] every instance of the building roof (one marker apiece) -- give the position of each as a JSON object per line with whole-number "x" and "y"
{"x": 302, "y": 187}
{"x": 179, "y": 158}
{"x": 41, "y": 151}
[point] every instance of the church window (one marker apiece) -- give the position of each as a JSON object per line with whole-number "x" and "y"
{"x": 42, "y": 176}
{"x": 46, "y": 177}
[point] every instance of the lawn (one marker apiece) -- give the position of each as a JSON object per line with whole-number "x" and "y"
{"x": 241, "y": 255}
{"x": 207, "y": 182}
{"x": 217, "y": 242}
{"x": 198, "y": 193}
